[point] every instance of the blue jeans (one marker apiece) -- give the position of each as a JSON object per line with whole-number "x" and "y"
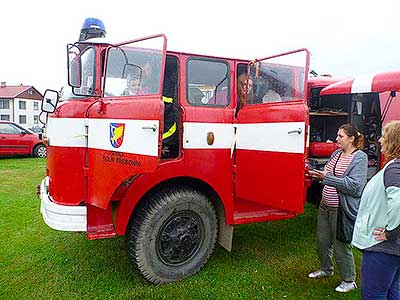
{"x": 380, "y": 276}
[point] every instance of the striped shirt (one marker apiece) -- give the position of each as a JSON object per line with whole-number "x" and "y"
{"x": 330, "y": 196}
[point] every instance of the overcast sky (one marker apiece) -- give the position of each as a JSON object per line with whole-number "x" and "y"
{"x": 346, "y": 38}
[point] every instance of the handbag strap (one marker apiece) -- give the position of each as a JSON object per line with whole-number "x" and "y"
{"x": 336, "y": 162}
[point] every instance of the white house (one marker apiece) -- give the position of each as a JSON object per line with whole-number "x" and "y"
{"x": 20, "y": 104}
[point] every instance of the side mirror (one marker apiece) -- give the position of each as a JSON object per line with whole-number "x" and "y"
{"x": 74, "y": 66}
{"x": 393, "y": 93}
{"x": 50, "y": 100}
{"x": 132, "y": 72}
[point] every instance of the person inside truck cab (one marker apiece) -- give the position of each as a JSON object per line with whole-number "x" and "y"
{"x": 149, "y": 81}
{"x": 270, "y": 94}
{"x": 132, "y": 86}
{"x": 264, "y": 92}
{"x": 141, "y": 83}
{"x": 241, "y": 85}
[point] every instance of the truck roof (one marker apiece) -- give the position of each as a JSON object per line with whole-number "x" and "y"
{"x": 321, "y": 81}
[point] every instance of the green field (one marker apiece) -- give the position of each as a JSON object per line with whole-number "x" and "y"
{"x": 268, "y": 260}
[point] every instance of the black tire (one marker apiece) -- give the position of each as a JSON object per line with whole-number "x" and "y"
{"x": 39, "y": 151}
{"x": 171, "y": 235}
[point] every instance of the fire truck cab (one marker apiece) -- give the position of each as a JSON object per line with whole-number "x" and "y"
{"x": 112, "y": 171}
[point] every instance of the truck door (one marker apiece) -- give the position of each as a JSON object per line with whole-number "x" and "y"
{"x": 271, "y": 133}
{"x": 124, "y": 127}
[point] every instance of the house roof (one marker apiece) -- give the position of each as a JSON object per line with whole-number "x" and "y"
{"x": 13, "y": 91}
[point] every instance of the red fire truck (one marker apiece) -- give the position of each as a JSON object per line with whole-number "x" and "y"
{"x": 367, "y": 101}
{"x": 111, "y": 172}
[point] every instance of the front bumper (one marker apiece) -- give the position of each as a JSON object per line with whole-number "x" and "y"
{"x": 61, "y": 217}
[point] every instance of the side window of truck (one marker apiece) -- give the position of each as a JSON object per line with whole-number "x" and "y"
{"x": 207, "y": 82}
{"x": 134, "y": 69}
{"x": 88, "y": 59}
{"x": 273, "y": 84}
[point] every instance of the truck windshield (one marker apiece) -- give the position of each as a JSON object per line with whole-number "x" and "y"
{"x": 88, "y": 67}
{"x": 134, "y": 69}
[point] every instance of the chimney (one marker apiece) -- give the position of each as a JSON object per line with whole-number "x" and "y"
{"x": 3, "y": 84}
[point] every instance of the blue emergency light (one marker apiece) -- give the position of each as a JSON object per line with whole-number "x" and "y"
{"x": 92, "y": 28}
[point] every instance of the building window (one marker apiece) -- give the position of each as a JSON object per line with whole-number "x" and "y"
{"x": 35, "y": 105}
{"x": 4, "y": 104}
{"x": 35, "y": 119}
{"x": 30, "y": 92}
{"x": 5, "y": 117}
{"x": 22, "y": 104}
{"x": 208, "y": 82}
{"x": 22, "y": 119}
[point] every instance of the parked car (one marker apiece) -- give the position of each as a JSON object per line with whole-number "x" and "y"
{"x": 16, "y": 140}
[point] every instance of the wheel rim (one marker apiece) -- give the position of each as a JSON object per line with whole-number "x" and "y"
{"x": 41, "y": 152}
{"x": 180, "y": 237}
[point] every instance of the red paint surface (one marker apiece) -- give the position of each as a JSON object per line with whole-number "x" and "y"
{"x": 382, "y": 82}
{"x": 269, "y": 185}
{"x": 65, "y": 167}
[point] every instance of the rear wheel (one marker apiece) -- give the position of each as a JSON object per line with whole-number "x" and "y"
{"x": 171, "y": 235}
{"x": 39, "y": 151}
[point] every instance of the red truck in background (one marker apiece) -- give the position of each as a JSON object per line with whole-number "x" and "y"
{"x": 367, "y": 101}
{"x": 110, "y": 173}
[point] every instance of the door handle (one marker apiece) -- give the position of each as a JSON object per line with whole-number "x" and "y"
{"x": 295, "y": 131}
{"x": 154, "y": 127}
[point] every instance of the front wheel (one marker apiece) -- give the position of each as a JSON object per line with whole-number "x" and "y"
{"x": 171, "y": 235}
{"x": 40, "y": 151}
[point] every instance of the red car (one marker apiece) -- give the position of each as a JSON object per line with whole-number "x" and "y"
{"x": 16, "y": 140}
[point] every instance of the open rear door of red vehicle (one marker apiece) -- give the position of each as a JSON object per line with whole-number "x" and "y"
{"x": 271, "y": 136}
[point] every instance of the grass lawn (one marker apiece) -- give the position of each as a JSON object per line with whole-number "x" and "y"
{"x": 268, "y": 260}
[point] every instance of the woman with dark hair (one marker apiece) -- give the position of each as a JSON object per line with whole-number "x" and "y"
{"x": 344, "y": 178}
{"x": 377, "y": 228}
